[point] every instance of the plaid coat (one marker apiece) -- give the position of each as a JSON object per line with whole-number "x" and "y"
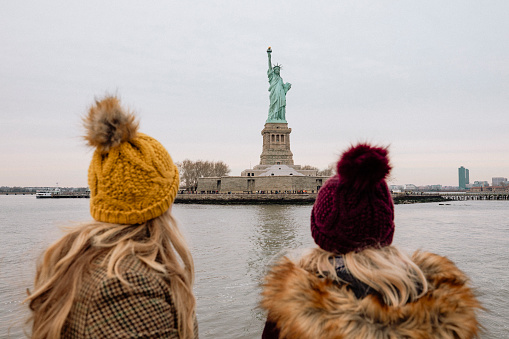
{"x": 107, "y": 308}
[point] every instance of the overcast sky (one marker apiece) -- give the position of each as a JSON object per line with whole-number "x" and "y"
{"x": 428, "y": 78}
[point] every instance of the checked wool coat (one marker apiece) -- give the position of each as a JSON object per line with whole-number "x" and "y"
{"x": 107, "y": 308}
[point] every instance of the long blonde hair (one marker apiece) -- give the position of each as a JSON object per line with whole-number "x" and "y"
{"x": 387, "y": 270}
{"x": 158, "y": 243}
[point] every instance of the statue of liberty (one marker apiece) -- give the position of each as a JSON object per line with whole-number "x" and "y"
{"x": 277, "y": 89}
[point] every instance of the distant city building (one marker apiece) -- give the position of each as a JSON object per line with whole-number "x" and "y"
{"x": 396, "y": 188}
{"x": 480, "y": 184}
{"x": 463, "y": 176}
{"x": 410, "y": 187}
{"x": 450, "y": 188}
{"x": 498, "y": 181}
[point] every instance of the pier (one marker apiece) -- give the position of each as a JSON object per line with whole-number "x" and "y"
{"x": 475, "y": 196}
{"x": 447, "y": 196}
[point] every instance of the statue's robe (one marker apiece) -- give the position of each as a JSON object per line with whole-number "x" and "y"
{"x": 277, "y": 89}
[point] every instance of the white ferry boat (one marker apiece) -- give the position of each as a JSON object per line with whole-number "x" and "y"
{"x": 47, "y": 193}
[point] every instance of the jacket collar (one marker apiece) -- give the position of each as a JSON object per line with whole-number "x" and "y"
{"x": 304, "y": 305}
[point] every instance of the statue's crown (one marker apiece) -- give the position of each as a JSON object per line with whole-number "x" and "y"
{"x": 278, "y": 66}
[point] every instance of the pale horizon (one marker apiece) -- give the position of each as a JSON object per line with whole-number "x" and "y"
{"x": 429, "y": 79}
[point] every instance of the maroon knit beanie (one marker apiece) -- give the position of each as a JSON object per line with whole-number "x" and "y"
{"x": 354, "y": 208}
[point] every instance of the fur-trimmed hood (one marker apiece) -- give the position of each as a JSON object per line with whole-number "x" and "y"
{"x": 303, "y": 305}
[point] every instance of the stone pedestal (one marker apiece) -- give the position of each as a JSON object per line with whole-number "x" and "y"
{"x": 276, "y": 145}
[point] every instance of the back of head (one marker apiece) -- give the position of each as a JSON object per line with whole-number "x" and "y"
{"x": 133, "y": 182}
{"x": 132, "y": 178}
{"x": 354, "y": 208}
{"x": 355, "y": 285}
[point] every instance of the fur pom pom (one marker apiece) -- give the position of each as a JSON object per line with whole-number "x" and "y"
{"x": 363, "y": 166}
{"x": 108, "y": 124}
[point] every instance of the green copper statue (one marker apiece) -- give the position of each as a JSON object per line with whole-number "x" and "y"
{"x": 277, "y": 89}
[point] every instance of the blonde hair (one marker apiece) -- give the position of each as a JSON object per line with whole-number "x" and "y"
{"x": 158, "y": 243}
{"x": 387, "y": 270}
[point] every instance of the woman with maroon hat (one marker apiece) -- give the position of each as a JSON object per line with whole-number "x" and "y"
{"x": 355, "y": 284}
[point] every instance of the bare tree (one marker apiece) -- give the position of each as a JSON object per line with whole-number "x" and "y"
{"x": 329, "y": 171}
{"x": 221, "y": 169}
{"x": 191, "y": 171}
{"x": 309, "y": 167}
{"x": 187, "y": 173}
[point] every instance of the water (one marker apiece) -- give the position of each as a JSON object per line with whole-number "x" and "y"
{"x": 232, "y": 246}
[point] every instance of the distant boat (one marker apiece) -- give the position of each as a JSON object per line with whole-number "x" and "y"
{"x": 39, "y": 195}
{"x": 57, "y": 193}
{"x": 47, "y": 193}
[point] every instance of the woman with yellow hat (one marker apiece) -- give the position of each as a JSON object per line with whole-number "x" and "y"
{"x": 129, "y": 273}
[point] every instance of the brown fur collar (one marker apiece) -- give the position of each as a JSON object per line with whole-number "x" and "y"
{"x": 305, "y": 306}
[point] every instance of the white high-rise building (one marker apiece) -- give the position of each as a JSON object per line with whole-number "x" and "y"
{"x": 498, "y": 181}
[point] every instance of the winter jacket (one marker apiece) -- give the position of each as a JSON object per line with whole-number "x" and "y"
{"x": 107, "y": 308}
{"x": 302, "y": 305}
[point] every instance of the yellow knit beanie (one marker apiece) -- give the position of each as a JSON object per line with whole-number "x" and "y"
{"x": 132, "y": 178}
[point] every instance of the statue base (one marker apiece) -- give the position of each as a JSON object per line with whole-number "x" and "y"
{"x": 276, "y": 144}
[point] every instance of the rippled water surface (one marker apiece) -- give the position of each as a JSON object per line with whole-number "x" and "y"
{"x": 232, "y": 246}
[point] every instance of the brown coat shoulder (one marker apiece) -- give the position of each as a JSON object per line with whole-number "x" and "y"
{"x": 107, "y": 308}
{"x": 303, "y": 305}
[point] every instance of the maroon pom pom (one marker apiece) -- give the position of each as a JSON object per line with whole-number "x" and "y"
{"x": 363, "y": 166}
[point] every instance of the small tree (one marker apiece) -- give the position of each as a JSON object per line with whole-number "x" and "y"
{"x": 187, "y": 173}
{"x": 191, "y": 171}
{"x": 309, "y": 167}
{"x": 221, "y": 169}
{"x": 329, "y": 171}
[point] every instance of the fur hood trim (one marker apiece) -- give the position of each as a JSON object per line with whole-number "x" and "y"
{"x": 305, "y": 306}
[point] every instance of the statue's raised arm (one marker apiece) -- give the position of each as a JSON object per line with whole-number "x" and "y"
{"x": 269, "y": 52}
{"x": 278, "y": 90}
